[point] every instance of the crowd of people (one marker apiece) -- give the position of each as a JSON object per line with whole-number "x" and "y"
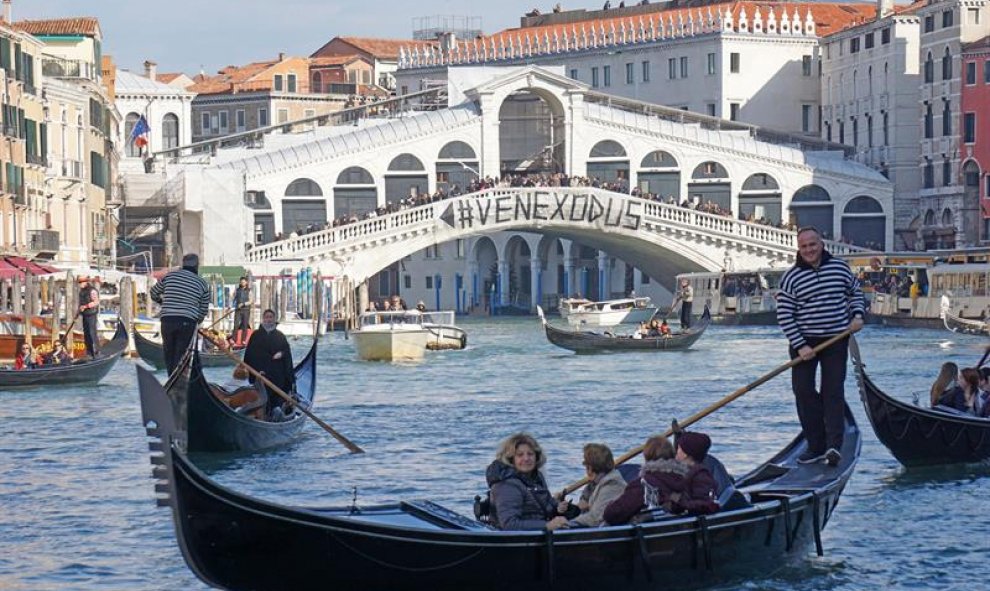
{"x": 675, "y": 479}
{"x": 966, "y": 391}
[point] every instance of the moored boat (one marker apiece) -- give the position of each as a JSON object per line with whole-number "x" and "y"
{"x": 391, "y": 336}
{"x": 586, "y": 341}
{"x": 919, "y": 436}
{"x": 83, "y": 370}
{"x": 772, "y": 515}
{"x": 152, "y": 352}
{"x": 215, "y": 425}
{"x": 961, "y": 325}
{"x": 579, "y": 312}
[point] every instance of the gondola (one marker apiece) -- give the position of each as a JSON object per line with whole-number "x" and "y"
{"x": 78, "y": 372}
{"x": 593, "y": 342}
{"x": 233, "y": 541}
{"x": 919, "y": 436}
{"x": 963, "y": 325}
{"x": 213, "y": 426}
{"x": 153, "y": 353}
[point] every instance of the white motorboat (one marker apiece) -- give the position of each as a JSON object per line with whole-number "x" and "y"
{"x": 444, "y": 334}
{"x": 608, "y": 312}
{"x": 391, "y": 336}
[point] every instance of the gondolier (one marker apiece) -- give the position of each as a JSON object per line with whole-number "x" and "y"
{"x": 89, "y": 308}
{"x": 819, "y": 298}
{"x": 185, "y": 300}
{"x": 685, "y": 295}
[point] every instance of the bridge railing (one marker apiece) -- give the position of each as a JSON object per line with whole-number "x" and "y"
{"x": 424, "y": 215}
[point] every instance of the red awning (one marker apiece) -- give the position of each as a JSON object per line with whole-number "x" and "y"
{"x": 8, "y": 271}
{"x": 29, "y": 266}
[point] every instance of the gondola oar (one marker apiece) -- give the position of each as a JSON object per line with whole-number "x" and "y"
{"x": 268, "y": 383}
{"x": 69, "y": 329}
{"x": 707, "y": 411}
{"x": 983, "y": 359}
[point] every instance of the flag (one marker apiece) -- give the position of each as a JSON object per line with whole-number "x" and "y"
{"x": 139, "y": 135}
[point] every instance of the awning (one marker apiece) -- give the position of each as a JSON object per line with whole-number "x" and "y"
{"x": 8, "y": 271}
{"x": 29, "y": 266}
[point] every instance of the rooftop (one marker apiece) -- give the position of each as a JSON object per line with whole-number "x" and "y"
{"x": 130, "y": 83}
{"x": 85, "y": 25}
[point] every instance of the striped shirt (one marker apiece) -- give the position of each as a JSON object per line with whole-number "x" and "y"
{"x": 182, "y": 294}
{"x": 818, "y": 302}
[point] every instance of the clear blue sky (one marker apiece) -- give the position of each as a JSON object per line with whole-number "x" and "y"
{"x": 185, "y": 35}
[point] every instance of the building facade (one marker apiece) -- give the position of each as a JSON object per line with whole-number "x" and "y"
{"x": 975, "y": 126}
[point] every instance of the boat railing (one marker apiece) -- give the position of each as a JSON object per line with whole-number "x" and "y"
{"x": 392, "y": 317}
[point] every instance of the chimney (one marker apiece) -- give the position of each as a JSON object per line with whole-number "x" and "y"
{"x": 281, "y": 56}
{"x": 884, "y": 8}
{"x": 150, "y": 70}
{"x": 7, "y": 12}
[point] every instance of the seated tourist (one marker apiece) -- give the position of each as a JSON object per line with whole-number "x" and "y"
{"x": 664, "y": 328}
{"x": 946, "y": 391}
{"x": 520, "y": 497}
{"x": 239, "y": 379}
{"x": 984, "y": 398}
{"x": 60, "y": 355}
{"x": 606, "y": 484}
{"x": 642, "y": 331}
{"x": 26, "y": 359}
{"x": 654, "y": 330}
{"x": 699, "y": 485}
{"x": 969, "y": 381}
{"x": 659, "y": 479}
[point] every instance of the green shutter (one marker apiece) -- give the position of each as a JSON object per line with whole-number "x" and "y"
{"x": 17, "y": 61}
{"x": 5, "y": 53}
{"x": 44, "y": 141}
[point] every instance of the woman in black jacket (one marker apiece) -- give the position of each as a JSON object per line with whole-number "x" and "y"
{"x": 520, "y": 496}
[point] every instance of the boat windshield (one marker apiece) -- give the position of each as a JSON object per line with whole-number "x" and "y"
{"x": 401, "y": 317}
{"x": 439, "y": 317}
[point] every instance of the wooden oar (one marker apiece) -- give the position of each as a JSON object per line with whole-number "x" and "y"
{"x": 268, "y": 383}
{"x": 983, "y": 360}
{"x": 707, "y": 411}
{"x": 74, "y": 318}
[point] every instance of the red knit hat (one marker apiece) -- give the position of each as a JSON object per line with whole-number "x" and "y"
{"x": 694, "y": 444}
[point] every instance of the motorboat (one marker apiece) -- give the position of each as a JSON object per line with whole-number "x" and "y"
{"x": 607, "y": 312}
{"x": 391, "y": 336}
{"x": 444, "y": 334}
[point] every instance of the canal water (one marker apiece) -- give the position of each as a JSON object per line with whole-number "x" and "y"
{"x": 77, "y": 509}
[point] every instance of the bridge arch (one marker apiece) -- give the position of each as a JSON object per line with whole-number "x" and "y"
{"x": 710, "y": 181}
{"x": 608, "y": 161}
{"x": 812, "y": 206}
{"x": 761, "y": 198}
{"x": 484, "y": 269}
{"x": 355, "y": 192}
{"x": 660, "y": 174}
{"x": 457, "y": 164}
{"x": 303, "y": 206}
{"x": 863, "y": 217}
{"x": 405, "y": 177}
{"x": 531, "y": 132}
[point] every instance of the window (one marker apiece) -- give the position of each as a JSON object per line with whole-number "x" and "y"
{"x": 733, "y": 111}
{"x": 711, "y": 109}
{"x": 946, "y": 18}
{"x": 929, "y": 23}
{"x": 886, "y": 129}
{"x": 429, "y": 282}
{"x": 885, "y": 36}
{"x": 929, "y": 69}
{"x": 946, "y": 118}
{"x": 869, "y": 131}
{"x": 594, "y": 77}
{"x": 929, "y": 122}
{"x": 970, "y": 72}
{"x": 828, "y": 132}
{"x": 806, "y": 65}
{"x": 684, "y": 67}
{"x": 842, "y": 132}
{"x": 672, "y": 68}
{"x": 646, "y": 71}
{"x": 240, "y": 121}
{"x": 170, "y": 131}
{"x": 855, "y": 131}
{"x": 262, "y": 117}
{"x": 986, "y": 72}
{"x": 946, "y": 172}
{"x": 224, "y": 123}
{"x": 928, "y": 174}
{"x": 969, "y": 128}
{"x": 278, "y": 82}
{"x": 711, "y": 64}
{"x": 283, "y": 116}
{"x": 459, "y": 248}
{"x": 607, "y": 76}
{"x": 734, "y": 63}
{"x": 291, "y": 83}
{"x": 574, "y": 74}
{"x": 868, "y": 41}
{"x": 947, "y": 65}
{"x": 630, "y": 73}
{"x": 407, "y": 281}
{"x": 854, "y": 45}
{"x": 974, "y": 16}
{"x": 806, "y": 118}
{"x": 204, "y": 123}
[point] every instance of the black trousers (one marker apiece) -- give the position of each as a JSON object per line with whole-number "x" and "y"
{"x": 177, "y": 333}
{"x": 242, "y": 319}
{"x": 686, "y": 315}
{"x": 90, "y": 334}
{"x": 822, "y": 411}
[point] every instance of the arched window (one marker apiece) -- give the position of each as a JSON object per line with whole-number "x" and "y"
{"x": 760, "y": 199}
{"x": 658, "y": 159}
{"x": 607, "y": 162}
{"x": 129, "y": 147}
{"x": 947, "y": 65}
{"x": 457, "y": 165}
{"x": 355, "y": 193}
{"x": 760, "y": 182}
{"x": 863, "y": 222}
{"x": 607, "y": 149}
{"x": 929, "y": 68}
{"x": 947, "y": 217}
{"x": 710, "y": 170}
{"x": 863, "y": 204}
{"x": 929, "y": 218}
{"x": 316, "y": 84}
{"x": 170, "y": 131}
{"x": 659, "y": 175}
{"x": 811, "y": 205}
{"x": 457, "y": 150}
{"x": 406, "y": 162}
{"x": 406, "y": 177}
{"x": 355, "y": 175}
{"x": 303, "y": 188}
{"x": 869, "y": 81}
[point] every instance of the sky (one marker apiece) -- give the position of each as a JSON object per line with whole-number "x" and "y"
{"x": 194, "y": 35}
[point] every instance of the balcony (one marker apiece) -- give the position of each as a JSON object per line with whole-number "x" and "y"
{"x": 37, "y": 160}
{"x": 62, "y": 68}
{"x": 10, "y": 130}
{"x": 44, "y": 241}
{"x": 20, "y": 195}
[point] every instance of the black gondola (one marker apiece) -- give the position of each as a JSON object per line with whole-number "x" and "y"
{"x": 213, "y": 426}
{"x": 153, "y": 353}
{"x": 78, "y": 372}
{"x": 964, "y": 325}
{"x": 919, "y": 436}
{"x": 593, "y": 342}
{"x": 233, "y": 541}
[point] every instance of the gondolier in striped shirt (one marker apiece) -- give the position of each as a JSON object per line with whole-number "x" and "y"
{"x": 185, "y": 300}
{"x": 819, "y": 298}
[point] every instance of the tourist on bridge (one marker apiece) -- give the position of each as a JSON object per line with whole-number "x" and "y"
{"x": 268, "y": 352}
{"x": 242, "y": 312}
{"x": 89, "y": 308}
{"x": 185, "y": 300}
{"x": 819, "y": 298}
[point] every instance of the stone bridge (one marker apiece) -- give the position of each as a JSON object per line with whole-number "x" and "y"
{"x": 660, "y": 239}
